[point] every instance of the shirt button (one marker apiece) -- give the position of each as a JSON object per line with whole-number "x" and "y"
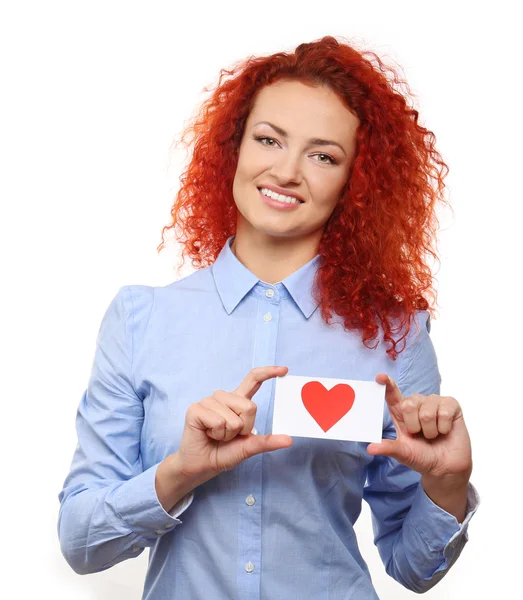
{"x": 169, "y": 525}
{"x": 249, "y": 567}
{"x": 250, "y": 500}
{"x": 160, "y": 531}
{"x": 269, "y": 293}
{"x": 267, "y": 317}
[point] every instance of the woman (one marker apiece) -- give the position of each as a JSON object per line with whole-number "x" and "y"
{"x": 311, "y": 185}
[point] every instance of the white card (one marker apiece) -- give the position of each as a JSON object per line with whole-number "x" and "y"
{"x": 333, "y": 409}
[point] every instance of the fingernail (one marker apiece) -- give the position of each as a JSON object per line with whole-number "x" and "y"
{"x": 254, "y": 431}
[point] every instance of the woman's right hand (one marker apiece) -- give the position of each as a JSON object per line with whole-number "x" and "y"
{"x": 217, "y": 435}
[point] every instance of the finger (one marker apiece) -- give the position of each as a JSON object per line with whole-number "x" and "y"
{"x": 232, "y": 423}
{"x": 243, "y": 407}
{"x": 409, "y": 408}
{"x": 393, "y": 397}
{"x": 428, "y": 416}
{"x": 207, "y": 421}
{"x": 392, "y": 448}
{"x": 448, "y": 410}
{"x": 256, "y": 444}
{"x": 252, "y": 383}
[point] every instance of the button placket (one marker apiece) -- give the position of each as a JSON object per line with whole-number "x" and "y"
{"x": 250, "y": 472}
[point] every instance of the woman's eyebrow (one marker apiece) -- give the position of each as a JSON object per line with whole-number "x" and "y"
{"x": 311, "y": 141}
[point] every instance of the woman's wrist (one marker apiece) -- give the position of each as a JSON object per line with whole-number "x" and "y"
{"x": 449, "y": 492}
{"x": 171, "y": 483}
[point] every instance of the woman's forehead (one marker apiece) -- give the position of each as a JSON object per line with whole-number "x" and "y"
{"x": 302, "y": 110}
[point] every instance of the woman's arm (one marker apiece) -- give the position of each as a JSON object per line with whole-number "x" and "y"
{"x": 419, "y": 531}
{"x": 109, "y": 508}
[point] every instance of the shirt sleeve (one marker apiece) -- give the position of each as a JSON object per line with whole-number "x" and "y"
{"x": 417, "y": 540}
{"x": 109, "y": 509}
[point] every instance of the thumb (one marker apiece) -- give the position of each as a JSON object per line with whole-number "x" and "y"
{"x": 256, "y": 444}
{"x": 244, "y": 446}
{"x": 391, "y": 448}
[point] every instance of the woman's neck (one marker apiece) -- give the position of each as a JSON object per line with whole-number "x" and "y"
{"x": 273, "y": 258}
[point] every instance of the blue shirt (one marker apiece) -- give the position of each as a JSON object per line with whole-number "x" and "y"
{"x": 280, "y": 525}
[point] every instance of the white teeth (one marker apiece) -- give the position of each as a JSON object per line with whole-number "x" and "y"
{"x": 279, "y": 197}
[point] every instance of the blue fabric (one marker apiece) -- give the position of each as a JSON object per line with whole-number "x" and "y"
{"x": 160, "y": 349}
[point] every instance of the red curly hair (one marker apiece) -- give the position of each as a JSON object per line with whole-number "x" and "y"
{"x": 375, "y": 245}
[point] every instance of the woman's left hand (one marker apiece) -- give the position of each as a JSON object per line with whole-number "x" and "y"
{"x": 432, "y": 437}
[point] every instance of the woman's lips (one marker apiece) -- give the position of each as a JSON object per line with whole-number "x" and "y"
{"x": 279, "y": 205}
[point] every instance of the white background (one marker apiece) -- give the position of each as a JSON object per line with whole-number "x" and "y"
{"x": 93, "y": 95}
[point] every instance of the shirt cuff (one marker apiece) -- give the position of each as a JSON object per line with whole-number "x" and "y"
{"x": 137, "y": 504}
{"x": 182, "y": 505}
{"x": 439, "y": 529}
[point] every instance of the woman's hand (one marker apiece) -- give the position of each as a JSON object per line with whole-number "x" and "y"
{"x": 433, "y": 440}
{"x": 217, "y": 434}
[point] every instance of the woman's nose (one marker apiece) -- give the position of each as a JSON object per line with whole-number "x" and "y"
{"x": 287, "y": 167}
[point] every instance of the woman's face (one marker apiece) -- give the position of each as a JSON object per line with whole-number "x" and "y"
{"x": 300, "y": 139}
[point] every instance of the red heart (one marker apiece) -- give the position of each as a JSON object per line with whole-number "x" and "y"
{"x": 327, "y": 407}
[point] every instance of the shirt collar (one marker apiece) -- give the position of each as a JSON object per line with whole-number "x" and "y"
{"x": 234, "y": 281}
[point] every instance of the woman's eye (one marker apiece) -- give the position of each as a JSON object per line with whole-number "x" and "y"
{"x": 329, "y": 160}
{"x": 262, "y": 139}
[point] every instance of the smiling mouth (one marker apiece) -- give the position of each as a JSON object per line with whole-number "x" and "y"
{"x": 298, "y": 201}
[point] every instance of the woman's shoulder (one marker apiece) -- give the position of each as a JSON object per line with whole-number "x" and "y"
{"x": 138, "y": 299}
{"x": 416, "y": 326}
{"x": 420, "y": 324}
{"x": 133, "y": 305}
